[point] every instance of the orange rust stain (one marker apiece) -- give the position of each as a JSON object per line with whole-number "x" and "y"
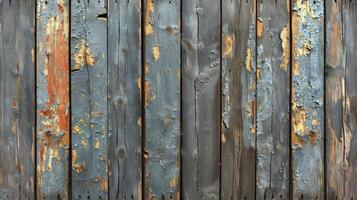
{"x": 79, "y": 168}
{"x": 104, "y": 184}
{"x": 296, "y": 141}
{"x": 148, "y": 21}
{"x": 313, "y": 137}
{"x": 335, "y": 48}
{"x": 260, "y": 28}
{"x": 228, "y": 42}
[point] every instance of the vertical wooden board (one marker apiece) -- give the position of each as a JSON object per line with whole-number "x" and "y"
{"x": 238, "y": 99}
{"x": 201, "y": 99}
{"x": 89, "y": 99}
{"x": 273, "y": 99}
{"x": 307, "y": 100}
{"x": 52, "y": 99}
{"x": 17, "y": 99}
{"x": 124, "y": 108}
{"x": 162, "y": 99}
{"x": 335, "y": 101}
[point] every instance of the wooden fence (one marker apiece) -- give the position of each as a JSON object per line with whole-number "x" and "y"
{"x": 178, "y": 99}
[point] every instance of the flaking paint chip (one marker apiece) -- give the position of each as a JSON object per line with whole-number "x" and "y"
{"x": 156, "y": 53}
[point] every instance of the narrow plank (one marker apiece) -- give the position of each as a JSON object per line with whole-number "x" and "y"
{"x": 162, "y": 99}
{"x": 201, "y": 99}
{"x": 238, "y": 99}
{"x": 52, "y": 99}
{"x": 335, "y": 101}
{"x": 307, "y": 100}
{"x": 89, "y": 99}
{"x": 124, "y": 108}
{"x": 341, "y": 96}
{"x": 273, "y": 97}
{"x": 17, "y": 100}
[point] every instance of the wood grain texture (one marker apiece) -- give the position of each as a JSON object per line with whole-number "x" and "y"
{"x": 201, "y": 99}
{"x": 238, "y": 99}
{"x": 89, "y": 99}
{"x": 17, "y": 100}
{"x": 52, "y": 99}
{"x": 341, "y": 67}
{"x": 273, "y": 96}
{"x": 124, "y": 108}
{"x": 162, "y": 99}
{"x": 307, "y": 100}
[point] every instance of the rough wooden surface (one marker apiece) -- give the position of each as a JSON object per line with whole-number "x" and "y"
{"x": 162, "y": 99}
{"x": 273, "y": 97}
{"x": 52, "y": 99}
{"x": 17, "y": 100}
{"x": 124, "y": 108}
{"x": 341, "y": 67}
{"x": 89, "y": 99}
{"x": 307, "y": 99}
{"x": 201, "y": 99}
{"x": 238, "y": 99}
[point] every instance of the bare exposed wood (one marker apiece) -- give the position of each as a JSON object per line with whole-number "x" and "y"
{"x": 162, "y": 99}
{"x": 238, "y": 99}
{"x": 273, "y": 95}
{"x": 124, "y": 109}
{"x": 307, "y": 100}
{"x": 201, "y": 99}
{"x": 89, "y": 99}
{"x": 17, "y": 100}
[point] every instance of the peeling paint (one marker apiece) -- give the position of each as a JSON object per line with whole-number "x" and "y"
{"x": 260, "y": 27}
{"x": 248, "y": 60}
{"x": 79, "y": 168}
{"x": 228, "y": 46}
{"x": 284, "y": 36}
{"x": 148, "y": 21}
{"x": 156, "y": 53}
{"x": 83, "y": 56}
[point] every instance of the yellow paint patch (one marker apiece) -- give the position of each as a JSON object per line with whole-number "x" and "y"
{"x": 258, "y": 73}
{"x": 148, "y": 21}
{"x": 284, "y": 36}
{"x": 228, "y": 46}
{"x": 248, "y": 60}
{"x": 260, "y": 28}
{"x": 156, "y": 53}
{"x": 97, "y": 144}
{"x": 305, "y": 50}
{"x": 84, "y": 142}
{"x": 83, "y": 56}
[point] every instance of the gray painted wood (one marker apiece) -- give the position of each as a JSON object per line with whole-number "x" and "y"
{"x": 238, "y": 99}
{"x": 307, "y": 99}
{"x": 52, "y": 99}
{"x": 341, "y": 93}
{"x": 273, "y": 97}
{"x": 124, "y": 108}
{"x": 200, "y": 99}
{"x": 89, "y": 99}
{"x": 162, "y": 99}
{"x": 17, "y": 100}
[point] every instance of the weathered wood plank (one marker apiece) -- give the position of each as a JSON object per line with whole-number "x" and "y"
{"x": 162, "y": 99}
{"x": 124, "y": 108}
{"x": 307, "y": 100}
{"x": 238, "y": 99}
{"x": 273, "y": 96}
{"x": 17, "y": 100}
{"x": 52, "y": 99}
{"x": 341, "y": 96}
{"x": 89, "y": 99}
{"x": 201, "y": 99}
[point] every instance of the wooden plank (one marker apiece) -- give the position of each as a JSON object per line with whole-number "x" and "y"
{"x": 89, "y": 99}
{"x": 341, "y": 93}
{"x": 52, "y": 99}
{"x": 238, "y": 99}
{"x": 17, "y": 99}
{"x": 124, "y": 108}
{"x": 307, "y": 100}
{"x": 162, "y": 99}
{"x": 201, "y": 99}
{"x": 273, "y": 97}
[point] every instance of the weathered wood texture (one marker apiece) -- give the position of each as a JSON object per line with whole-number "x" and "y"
{"x": 124, "y": 108}
{"x": 17, "y": 100}
{"x": 341, "y": 96}
{"x": 307, "y": 99}
{"x": 89, "y": 99}
{"x": 53, "y": 135}
{"x": 238, "y": 99}
{"x": 273, "y": 99}
{"x": 201, "y": 102}
{"x": 162, "y": 99}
